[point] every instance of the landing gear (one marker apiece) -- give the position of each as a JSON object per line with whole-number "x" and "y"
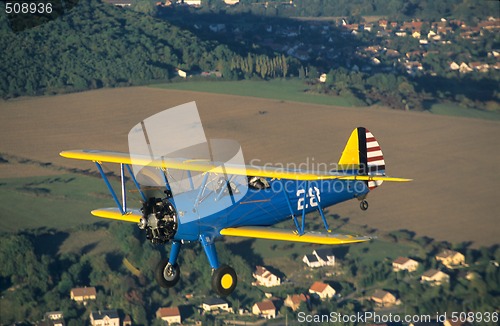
{"x": 363, "y": 205}
{"x": 166, "y": 274}
{"x": 224, "y": 280}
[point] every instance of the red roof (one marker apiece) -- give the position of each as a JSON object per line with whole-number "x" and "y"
{"x": 318, "y": 287}
{"x": 260, "y": 270}
{"x": 298, "y": 298}
{"x": 84, "y": 292}
{"x": 266, "y": 305}
{"x": 401, "y": 260}
{"x": 430, "y": 273}
{"x": 168, "y": 312}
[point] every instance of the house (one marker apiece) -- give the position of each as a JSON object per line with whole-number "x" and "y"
{"x": 435, "y": 277}
{"x": 83, "y": 294}
{"x": 231, "y": 2}
{"x": 464, "y": 68}
{"x": 404, "y": 264}
{"x": 265, "y": 277}
{"x": 215, "y": 304}
{"x": 322, "y": 290}
{"x": 119, "y": 3}
{"x": 383, "y": 298}
{"x": 320, "y": 258}
{"x": 293, "y": 301}
{"x": 194, "y": 3}
{"x": 383, "y": 23}
{"x": 311, "y": 261}
{"x": 450, "y": 258}
{"x": 127, "y": 321}
{"x": 53, "y": 318}
{"x": 322, "y": 78}
{"x": 454, "y": 66}
{"x": 265, "y": 309}
{"x": 104, "y": 318}
{"x": 171, "y": 315}
{"x": 182, "y": 73}
{"x": 412, "y": 67}
{"x": 479, "y": 66}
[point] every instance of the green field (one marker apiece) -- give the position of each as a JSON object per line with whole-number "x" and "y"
{"x": 457, "y": 110}
{"x": 58, "y": 202}
{"x": 279, "y": 89}
{"x": 296, "y": 90}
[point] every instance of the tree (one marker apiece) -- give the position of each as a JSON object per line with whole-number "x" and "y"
{"x": 144, "y": 6}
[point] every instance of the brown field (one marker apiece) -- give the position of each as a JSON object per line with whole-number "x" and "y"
{"x": 453, "y": 160}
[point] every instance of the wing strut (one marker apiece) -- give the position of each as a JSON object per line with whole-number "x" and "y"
{"x": 301, "y": 227}
{"x": 320, "y": 209}
{"x": 291, "y": 211}
{"x": 122, "y": 206}
{"x": 111, "y": 190}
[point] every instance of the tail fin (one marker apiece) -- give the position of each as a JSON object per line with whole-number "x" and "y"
{"x": 362, "y": 152}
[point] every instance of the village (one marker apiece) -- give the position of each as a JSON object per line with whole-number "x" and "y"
{"x": 429, "y": 47}
{"x": 269, "y": 308}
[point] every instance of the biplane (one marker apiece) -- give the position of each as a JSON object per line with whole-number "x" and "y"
{"x": 203, "y": 190}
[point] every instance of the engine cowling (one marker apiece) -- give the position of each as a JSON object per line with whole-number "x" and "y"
{"x": 159, "y": 220}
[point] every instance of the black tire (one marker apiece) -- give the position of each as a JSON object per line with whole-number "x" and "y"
{"x": 224, "y": 280}
{"x": 167, "y": 281}
{"x": 363, "y": 205}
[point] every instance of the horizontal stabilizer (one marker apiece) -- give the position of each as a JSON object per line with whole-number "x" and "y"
{"x": 133, "y": 216}
{"x": 260, "y": 232}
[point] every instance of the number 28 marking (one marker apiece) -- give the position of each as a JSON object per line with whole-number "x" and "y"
{"x": 312, "y": 198}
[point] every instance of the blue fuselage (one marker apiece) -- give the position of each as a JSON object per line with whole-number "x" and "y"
{"x": 259, "y": 207}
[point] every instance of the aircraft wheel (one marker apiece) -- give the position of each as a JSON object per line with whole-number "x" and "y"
{"x": 167, "y": 275}
{"x": 224, "y": 280}
{"x": 363, "y": 205}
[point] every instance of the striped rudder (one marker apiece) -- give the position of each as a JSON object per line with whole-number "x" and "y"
{"x": 362, "y": 152}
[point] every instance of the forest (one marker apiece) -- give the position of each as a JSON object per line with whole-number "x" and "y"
{"x": 90, "y": 45}
{"x": 37, "y": 276}
{"x": 97, "y": 45}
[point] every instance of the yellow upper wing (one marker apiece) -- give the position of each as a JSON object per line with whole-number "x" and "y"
{"x": 216, "y": 167}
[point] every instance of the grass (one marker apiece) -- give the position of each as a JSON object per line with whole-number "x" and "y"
{"x": 55, "y": 202}
{"x": 98, "y": 242}
{"x": 457, "y": 110}
{"x": 379, "y": 250}
{"x": 278, "y": 89}
{"x": 295, "y": 90}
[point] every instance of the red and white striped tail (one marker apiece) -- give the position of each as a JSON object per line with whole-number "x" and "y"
{"x": 363, "y": 150}
{"x": 375, "y": 159}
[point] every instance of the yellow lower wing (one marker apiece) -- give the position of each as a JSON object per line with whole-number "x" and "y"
{"x": 261, "y": 232}
{"x": 133, "y": 216}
